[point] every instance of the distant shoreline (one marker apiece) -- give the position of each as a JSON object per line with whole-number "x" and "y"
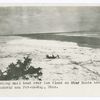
{"x": 50, "y": 33}
{"x": 83, "y": 41}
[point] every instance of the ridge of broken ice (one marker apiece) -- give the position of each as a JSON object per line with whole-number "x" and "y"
{"x": 26, "y": 41}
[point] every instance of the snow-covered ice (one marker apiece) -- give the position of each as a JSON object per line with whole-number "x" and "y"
{"x": 74, "y": 62}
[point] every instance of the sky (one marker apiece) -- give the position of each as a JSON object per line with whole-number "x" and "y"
{"x": 28, "y": 20}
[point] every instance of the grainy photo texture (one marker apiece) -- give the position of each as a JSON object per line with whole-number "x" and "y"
{"x": 47, "y": 43}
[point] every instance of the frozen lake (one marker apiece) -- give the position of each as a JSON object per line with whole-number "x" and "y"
{"x": 79, "y": 55}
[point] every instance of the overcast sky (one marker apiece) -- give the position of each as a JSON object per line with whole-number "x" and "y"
{"x": 19, "y": 20}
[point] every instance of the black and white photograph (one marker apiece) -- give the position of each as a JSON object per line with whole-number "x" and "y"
{"x": 50, "y": 43}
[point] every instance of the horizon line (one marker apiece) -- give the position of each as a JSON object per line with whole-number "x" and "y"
{"x": 47, "y": 33}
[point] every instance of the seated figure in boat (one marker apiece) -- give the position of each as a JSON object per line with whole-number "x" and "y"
{"x": 52, "y": 56}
